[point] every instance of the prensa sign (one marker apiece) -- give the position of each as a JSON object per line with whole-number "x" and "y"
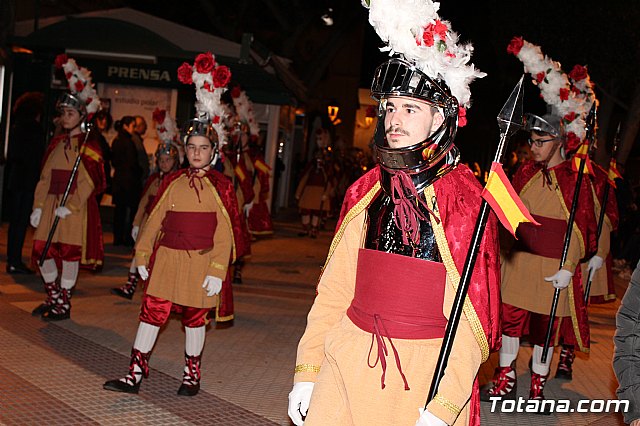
{"x": 137, "y": 73}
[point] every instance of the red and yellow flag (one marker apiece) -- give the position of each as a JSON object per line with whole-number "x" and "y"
{"x": 504, "y": 201}
{"x": 262, "y": 166}
{"x": 583, "y": 152}
{"x": 613, "y": 172}
{"x": 240, "y": 173}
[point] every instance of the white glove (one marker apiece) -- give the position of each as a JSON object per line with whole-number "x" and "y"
{"x": 134, "y": 232}
{"x": 34, "y": 219}
{"x": 62, "y": 212}
{"x": 560, "y": 279}
{"x": 143, "y": 272}
{"x": 247, "y": 207}
{"x": 595, "y": 263}
{"x": 212, "y": 285}
{"x": 299, "y": 399}
{"x": 428, "y": 419}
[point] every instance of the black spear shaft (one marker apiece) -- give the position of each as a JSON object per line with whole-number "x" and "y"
{"x": 509, "y": 120}
{"x": 63, "y": 201}
{"x": 603, "y": 206}
{"x": 567, "y": 236}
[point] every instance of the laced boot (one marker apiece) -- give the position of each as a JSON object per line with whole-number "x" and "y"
{"x": 504, "y": 384}
{"x": 536, "y": 392}
{"x": 237, "y": 272}
{"x": 138, "y": 369}
{"x": 565, "y": 366}
{"x": 53, "y": 291}
{"x": 128, "y": 288}
{"x": 191, "y": 376}
{"x": 61, "y": 309}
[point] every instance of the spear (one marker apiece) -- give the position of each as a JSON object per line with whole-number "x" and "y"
{"x": 65, "y": 195}
{"x": 509, "y": 122}
{"x": 591, "y": 131}
{"x": 603, "y": 205}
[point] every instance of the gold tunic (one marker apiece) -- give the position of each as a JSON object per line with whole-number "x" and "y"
{"x": 72, "y": 229}
{"x": 334, "y": 354}
{"x": 178, "y": 275}
{"x": 523, "y": 273}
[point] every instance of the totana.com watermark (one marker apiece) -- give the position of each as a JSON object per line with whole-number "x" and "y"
{"x": 522, "y": 405}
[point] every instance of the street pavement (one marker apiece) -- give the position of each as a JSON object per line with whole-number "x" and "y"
{"x": 52, "y": 373}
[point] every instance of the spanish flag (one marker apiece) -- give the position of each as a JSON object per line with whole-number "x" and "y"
{"x": 583, "y": 152}
{"x": 504, "y": 201}
{"x": 613, "y": 172}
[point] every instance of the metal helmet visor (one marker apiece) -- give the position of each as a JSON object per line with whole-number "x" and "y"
{"x": 546, "y": 124}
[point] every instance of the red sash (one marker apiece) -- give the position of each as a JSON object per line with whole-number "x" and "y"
{"x": 546, "y": 240}
{"x": 188, "y": 230}
{"x": 59, "y": 181}
{"x": 397, "y": 297}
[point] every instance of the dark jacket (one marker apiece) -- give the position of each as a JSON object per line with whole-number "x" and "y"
{"x": 626, "y": 357}
{"x": 24, "y": 157}
{"x": 127, "y": 174}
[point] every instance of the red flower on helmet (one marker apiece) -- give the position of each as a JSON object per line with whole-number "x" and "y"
{"x": 540, "y": 76}
{"x": 440, "y": 28}
{"x": 575, "y": 90}
{"x": 79, "y": 86}
{"x": 185, "y": 73}
{"x": 221, "y": 76}
{"x": 572, "y": 141}
{"x": 564, "y": 94}
{"x": 578, "y": 73}
{"x": 205, "y": 63}
{"x": 236, "y": 92}
{"x": 427, "y": 37}
{"x": 515, "y": 45}
{"x": 462, "y": 116}
{"x": 216, "y": 119}
{"x": 61, "y": 59}
{"x": 159, "y": 115}
{"x": 570, "y": 117}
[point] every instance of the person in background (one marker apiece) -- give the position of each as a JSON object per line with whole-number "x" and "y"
{"x": 26, "y": 148}
{"x": 127, "y": 185}
{"x": 139, "y": 130}
{"x": 103, "y": 121}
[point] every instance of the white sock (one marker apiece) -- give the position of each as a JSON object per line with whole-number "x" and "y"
{"x": 69, "y": 274}
{"x": 509, "y": 350}
{"x": 146, "y": 337}
{"x": 132, "y": 268}
{"x": 314, "y": 221}
{"x": 49, "y": 271}
{"x": 194, "y": 340}
{"x": 537, "y": 366}
{"x": 305, "y": 219}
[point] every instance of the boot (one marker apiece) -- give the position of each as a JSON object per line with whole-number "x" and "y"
{"x": 191, "y": 376}
{"x": 504, "y": 384}
{"x": 138, "y": 369}
{"x": 61, "y": 309}
{"x": 314, "y": 232}
{"x": 565, "y": 366}
{"x": 304, "y": 232}
{"x": 237, "y": 272}
{"x": 53, "y": 292}
{"x": 128, "y": 288}
{"x": 536, "y": 392}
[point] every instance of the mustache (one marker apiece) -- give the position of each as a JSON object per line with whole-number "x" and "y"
{"x": 396, "y": 130}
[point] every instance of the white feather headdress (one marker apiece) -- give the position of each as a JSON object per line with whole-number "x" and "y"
{"x": 569, "y": 96}
{"x": 79, "y": 82}
{"x": 244, "y": 108}
{"x": 413, "y": 29}
{"x": 211, "y": 80}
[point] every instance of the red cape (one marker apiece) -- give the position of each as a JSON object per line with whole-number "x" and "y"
{"x": 576, "y": 333}
{"x": 92, "y": 160}
{"x": 458, "y": 203}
